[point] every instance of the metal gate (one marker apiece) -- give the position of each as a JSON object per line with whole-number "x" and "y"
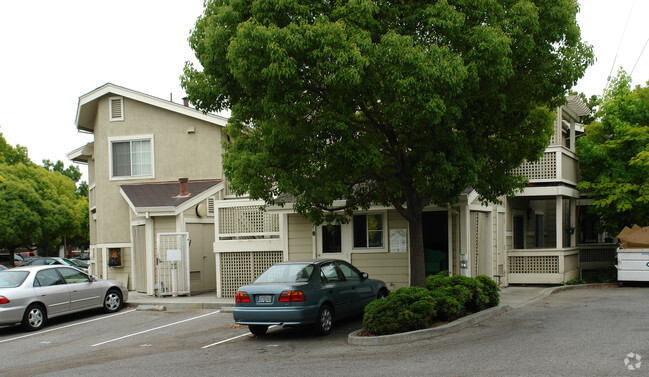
{"x": 172, "y": 263}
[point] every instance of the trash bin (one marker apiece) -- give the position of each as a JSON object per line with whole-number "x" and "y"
{"x": 632, "y": 264}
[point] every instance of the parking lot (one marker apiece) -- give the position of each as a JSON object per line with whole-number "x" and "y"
{"x": 75, "y": 344}
{"x": 578, "y": 332}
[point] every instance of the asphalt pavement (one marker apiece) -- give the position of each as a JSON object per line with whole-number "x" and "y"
{"x": 511, "y": 297}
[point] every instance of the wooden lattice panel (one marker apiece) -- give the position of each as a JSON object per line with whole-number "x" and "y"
{"x": 241, "y": 268}
{"x": 261, "y": 260}
{"x": 247, "y": 219}
{"x": 534, "y": 264}
{"x": 544, "y": 169}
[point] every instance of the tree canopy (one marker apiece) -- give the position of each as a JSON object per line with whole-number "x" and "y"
{"x": 380, "y": 102}
{"x": 38, "y": 207}
{"x": 614, "y": 156}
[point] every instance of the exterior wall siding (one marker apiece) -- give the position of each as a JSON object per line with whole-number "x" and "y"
{"x": 300, "y": 239}
{"x": 169, "y": 130}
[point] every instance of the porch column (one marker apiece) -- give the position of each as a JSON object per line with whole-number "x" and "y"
{"x": 150, "y": 256}
{"x": 559, "y": 221}
{"x": 465, "y": 239}
{"x": 572, "y": 136}
{"x": 573, "y": 222}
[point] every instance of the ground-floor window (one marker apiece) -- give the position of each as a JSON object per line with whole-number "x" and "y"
{"x": 368, "y": 230}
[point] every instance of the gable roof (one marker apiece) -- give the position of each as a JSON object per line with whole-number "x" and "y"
{"x": 87, "y": 107}
{"x": 162, "y": 198}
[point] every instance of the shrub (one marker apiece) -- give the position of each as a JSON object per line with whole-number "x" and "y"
{"x": 575, "y": 281}
{"x": 446, "y": 299}
{"x": 490, "y": 289}
{"x": 404, "y": 310}
{"x": 448, "y": 308}
{"x": 437, "y": 281}
{"x": 459, "y": 293}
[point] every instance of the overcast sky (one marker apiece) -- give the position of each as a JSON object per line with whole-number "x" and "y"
{"x": 52, "y": 52}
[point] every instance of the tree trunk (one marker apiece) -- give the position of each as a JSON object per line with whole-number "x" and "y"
{"x": 417, "y": 262}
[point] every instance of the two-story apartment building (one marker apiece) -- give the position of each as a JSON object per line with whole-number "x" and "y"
{"x": 529, "y": 238}
{"x": 163, "y": 235}
{"x": 142, "y": 147}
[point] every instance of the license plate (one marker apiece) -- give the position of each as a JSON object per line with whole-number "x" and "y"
{"x": 265, "y": 299}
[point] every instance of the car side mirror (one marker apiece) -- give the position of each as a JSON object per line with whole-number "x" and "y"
{"x": 364, "y": 275}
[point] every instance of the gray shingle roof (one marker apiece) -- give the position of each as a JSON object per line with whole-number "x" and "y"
{"x": 164, "y": 194}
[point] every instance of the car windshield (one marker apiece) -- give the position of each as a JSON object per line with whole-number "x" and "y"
{"x": 12, "y": 279}
{"x": 286, "y": 273}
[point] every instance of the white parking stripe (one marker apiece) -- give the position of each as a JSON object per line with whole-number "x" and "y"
{"x": 233, "y": 338}
{"x": 153, "y": 329}
{"x": 66, "y": 326}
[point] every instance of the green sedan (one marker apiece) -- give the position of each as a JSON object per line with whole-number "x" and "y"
{"x": 313, "y": 293}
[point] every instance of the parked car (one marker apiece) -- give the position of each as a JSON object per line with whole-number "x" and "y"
{"x": 30, "y": 295}
{"x": 79, "y": 262}
{"x": 3, "y": 267}
{"x": 43, "y": 261}
{"x": 27, "y": 254}
{"x": 305, "y": 293}
{"x": 5, "y": 258}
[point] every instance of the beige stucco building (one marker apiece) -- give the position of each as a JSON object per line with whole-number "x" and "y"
{"x": 165, "y": 236}
{"x": 141, "y": 145}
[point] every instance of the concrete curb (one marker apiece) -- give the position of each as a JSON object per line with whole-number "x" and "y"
{"x": 180, "y": 305}
{"x": 470, "y": 320}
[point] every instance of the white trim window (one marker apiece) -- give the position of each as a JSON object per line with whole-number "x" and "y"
{"x": 116, "y": 109}
{"x": 130, "y": 158}
{"x": 92, "y": 204}
{"x": 369, "y": 230}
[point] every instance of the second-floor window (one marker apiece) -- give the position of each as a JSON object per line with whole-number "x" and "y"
{"x": 132, "y": 158}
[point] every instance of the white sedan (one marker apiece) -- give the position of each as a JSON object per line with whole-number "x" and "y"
{"x": 30, "y": 295}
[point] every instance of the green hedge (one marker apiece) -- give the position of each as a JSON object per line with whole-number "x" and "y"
{"x": 444, "y": 299}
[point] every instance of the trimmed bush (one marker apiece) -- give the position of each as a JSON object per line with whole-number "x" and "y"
{"x": 448, "y": 308}
{"x": 444, "y": 299}
{"x": 490, "y": 289}
{"x": 404, "y": 310}
{"x": 437, "y": 281}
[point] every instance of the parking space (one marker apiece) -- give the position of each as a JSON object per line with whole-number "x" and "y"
{"x": 91, "y": 336}
{"x": 95, "y": 338}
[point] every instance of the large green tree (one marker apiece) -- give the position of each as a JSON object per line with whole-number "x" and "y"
{"x": 404, "y": 103}
{"x": 39, "y": 206}
{"x": 614, "y": 156}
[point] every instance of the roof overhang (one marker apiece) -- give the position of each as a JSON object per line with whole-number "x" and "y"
{"x": 87, "y": 106}
{"x": 577, "y": 106}
{"x": 82, "y": 154}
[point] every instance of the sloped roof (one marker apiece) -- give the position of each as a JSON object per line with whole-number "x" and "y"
{"x": 164, "y": 196}
{"x": 87, "y": 107}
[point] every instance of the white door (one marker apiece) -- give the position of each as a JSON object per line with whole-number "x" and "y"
{"x": 172, "y": 264}
{"x": 329, "y": 243}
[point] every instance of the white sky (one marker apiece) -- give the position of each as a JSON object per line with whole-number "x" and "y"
{"x": 52, "y": 52}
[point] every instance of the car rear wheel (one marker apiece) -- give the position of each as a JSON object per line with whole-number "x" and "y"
{"x": 258, "y": 330}
{"x": 34, "y": 317}
{"x": 382, "y": 293}
{"x": 324, "y": 322}
{"x": 112, "y": 301}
